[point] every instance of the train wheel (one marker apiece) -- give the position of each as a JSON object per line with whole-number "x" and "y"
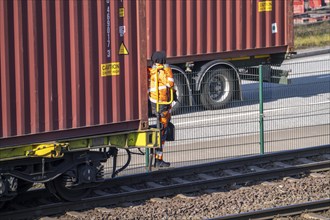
{"x": 217, "y": 90}
{"x": 59, "y": 188}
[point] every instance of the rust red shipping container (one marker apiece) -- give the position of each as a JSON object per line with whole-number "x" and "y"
{"x": 193, "y": 30}
{"x": 76, "y": 68}
{"x": 53, "y": 84}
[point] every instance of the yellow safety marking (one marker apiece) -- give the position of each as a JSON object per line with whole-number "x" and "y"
{"x": 110, "y": 69}
{"x": 121, "y": 12}
{"x": 122, "y": 49}
{"x": 261, "y": 56}
{"x": 136, "y": 139}
{"x": 48, "y": 150}
{"x": 143, "y": 139}
{"x": 265, "y": 6}
{"x": 238, "y": 58}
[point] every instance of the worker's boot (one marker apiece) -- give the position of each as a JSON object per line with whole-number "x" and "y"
{"x": 161, "y": 163}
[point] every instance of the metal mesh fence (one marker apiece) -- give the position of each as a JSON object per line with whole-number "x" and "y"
{"x": 296, "y": 115}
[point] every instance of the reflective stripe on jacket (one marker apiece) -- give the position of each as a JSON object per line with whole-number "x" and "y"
{"x": 165, "y": 81}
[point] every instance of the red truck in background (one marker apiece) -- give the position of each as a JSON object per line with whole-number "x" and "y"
{"x": 301, "y": 6}
{"x": 311, "y": 11}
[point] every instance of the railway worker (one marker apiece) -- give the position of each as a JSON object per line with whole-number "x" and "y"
{"x": 165, "y": 83}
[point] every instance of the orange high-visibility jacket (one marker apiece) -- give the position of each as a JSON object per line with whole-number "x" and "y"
{"x": 165, "y": 81}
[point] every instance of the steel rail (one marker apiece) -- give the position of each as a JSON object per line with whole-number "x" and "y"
{"x": 282, "y": 211}
{"x": 151, "y": 192}
{"x": 227, "y": 163}
{"x": 166, "y": 190}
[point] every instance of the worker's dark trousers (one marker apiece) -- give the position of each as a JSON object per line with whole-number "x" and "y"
{"x": 164, "y": 119}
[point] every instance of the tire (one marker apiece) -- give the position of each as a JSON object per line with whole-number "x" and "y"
{"x": 218, "y": 89}
{"x": 179, "y": 87}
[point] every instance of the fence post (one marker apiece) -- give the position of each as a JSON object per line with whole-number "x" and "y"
{"x": 261, "y": 111}
{"x": 147, "y": 155}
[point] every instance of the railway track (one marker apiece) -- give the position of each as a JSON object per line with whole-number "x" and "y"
{"x": 168, "y": 182}
{"x": 285, "y": 211}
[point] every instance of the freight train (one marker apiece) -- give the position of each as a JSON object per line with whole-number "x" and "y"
{"x": 74, "y": 85}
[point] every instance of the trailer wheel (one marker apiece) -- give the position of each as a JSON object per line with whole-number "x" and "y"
{"x": 179, "y": 87}
{"x": 217, "y": 90}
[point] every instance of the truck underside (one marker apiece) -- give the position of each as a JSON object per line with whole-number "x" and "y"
{"x": 215, "y": 83}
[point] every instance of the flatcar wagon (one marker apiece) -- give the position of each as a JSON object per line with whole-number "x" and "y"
{"x": 73, "y": 89}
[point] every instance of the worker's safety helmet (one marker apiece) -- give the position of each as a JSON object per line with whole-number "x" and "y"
{"x": 159, "y": 57}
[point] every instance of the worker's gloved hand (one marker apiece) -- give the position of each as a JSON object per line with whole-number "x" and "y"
{"x": 175, "y": 96}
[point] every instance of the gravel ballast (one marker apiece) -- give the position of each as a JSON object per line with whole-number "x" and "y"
{"x": 211, "y": 203}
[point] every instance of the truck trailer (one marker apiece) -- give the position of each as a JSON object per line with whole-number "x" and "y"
{"x": 212, "y": 45}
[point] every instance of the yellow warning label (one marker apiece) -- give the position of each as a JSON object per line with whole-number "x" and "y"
{"x": 265, "y": 6}
{"x": 121, "y": 12}
{"x": 110, "y": 69}
{"x": 123, "y": 50}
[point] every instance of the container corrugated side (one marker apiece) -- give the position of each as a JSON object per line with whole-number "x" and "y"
{"x": 201, "y": 30}
{"x": 71, "y": 69}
